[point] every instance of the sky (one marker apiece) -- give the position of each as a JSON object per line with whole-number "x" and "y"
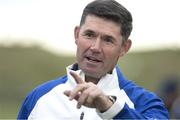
{"x": 50, "y": 23}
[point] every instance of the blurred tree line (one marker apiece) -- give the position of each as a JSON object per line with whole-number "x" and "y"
{"x": 23, "y": 68}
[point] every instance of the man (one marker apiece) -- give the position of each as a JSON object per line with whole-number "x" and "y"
{"x": 94, "y": 88}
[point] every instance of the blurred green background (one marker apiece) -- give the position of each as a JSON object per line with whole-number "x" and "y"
{"x": 23, "y": 68}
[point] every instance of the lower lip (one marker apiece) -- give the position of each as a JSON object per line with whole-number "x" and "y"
{"x": 91, "y": 61}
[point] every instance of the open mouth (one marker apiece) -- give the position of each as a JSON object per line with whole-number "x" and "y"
{"x": 93, "y": 59}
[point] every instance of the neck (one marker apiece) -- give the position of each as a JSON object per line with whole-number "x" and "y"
{"x": 91, "y": 79}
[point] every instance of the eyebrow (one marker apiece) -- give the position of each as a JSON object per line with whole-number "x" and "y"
{"x": 91, "y": 31}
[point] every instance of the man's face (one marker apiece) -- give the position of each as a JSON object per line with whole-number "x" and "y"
{"x": 99, "y": 46}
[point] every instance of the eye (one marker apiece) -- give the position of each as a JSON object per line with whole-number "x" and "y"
{"x": 89, "y": 34}
{"x": 109, "y": 40}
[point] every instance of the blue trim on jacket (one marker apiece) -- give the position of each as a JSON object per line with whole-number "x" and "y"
{"x": 143, "y": 101}
{"x": 34, "y": 96}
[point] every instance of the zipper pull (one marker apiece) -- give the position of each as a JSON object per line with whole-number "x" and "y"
{"x": 82, "y": 116}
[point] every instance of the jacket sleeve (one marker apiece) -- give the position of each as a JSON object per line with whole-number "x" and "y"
{"x": 26, "y": 107}
{"x": 36, "y": 94}
{"x": 146, "y": 105}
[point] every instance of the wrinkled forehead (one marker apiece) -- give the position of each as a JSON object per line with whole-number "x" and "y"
{"x": 93, "y": 21}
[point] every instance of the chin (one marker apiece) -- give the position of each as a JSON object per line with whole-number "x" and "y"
{"x": 94, "y": 74}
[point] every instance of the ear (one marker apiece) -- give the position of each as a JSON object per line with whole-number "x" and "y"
{"x": 76, "y": 33}
{"x": 125, "y": 47}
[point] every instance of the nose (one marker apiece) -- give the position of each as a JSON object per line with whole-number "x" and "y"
{"x": 96, "y": 46}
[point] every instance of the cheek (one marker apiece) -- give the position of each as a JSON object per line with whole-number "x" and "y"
{"x": 83, "y": 44}
{"x": 82, "y": 47}
{"x": 111, "y": 53}
{"x": 112, "y": 56}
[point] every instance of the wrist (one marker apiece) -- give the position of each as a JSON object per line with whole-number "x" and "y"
{"x": 109, "y": 101}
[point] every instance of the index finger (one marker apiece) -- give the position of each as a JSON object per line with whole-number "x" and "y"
{"x": 76, "y": 77}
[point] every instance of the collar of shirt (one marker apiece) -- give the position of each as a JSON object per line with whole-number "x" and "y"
{"x": 104, "y": 82}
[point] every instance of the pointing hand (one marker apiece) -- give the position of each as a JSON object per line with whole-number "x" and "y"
{"x": 88, "y": 94}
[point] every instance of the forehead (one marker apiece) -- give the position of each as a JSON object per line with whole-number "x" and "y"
{"x": 101, "y": 25}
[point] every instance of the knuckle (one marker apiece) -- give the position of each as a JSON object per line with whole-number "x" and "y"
{"x": 85, "y": 93}
{"x": 92, "y": 95}
{"x": 79, "y": 87}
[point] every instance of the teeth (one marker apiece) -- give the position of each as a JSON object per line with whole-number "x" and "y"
{"x": 93, "y": 59}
